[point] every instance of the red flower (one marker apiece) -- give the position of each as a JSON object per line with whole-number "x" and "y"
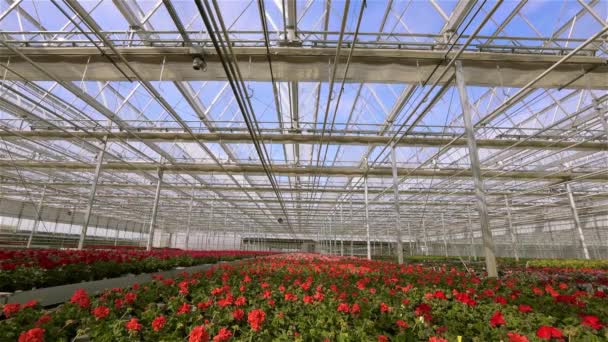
{"x": 343, "y": 307}
{"x": 30, "y": 304}
{"x": 185, "y": 308}
{"x": 133, "y": 325}
{"x": 101, "y": 312}
{"x": 440, "y": 295}
{"x": 256, "y": 318}
{"x": 118, "y": 303}
{"x": 525, "y": 308}
{"x": 238, "y": 314}
{"x": 11, "y": 309}
{"x": 223, "y": 335}
{"x": 158, "y": 323}
{"x": 515, "y": 337}
{"x": 290, "y": 297}
{"x": 240, "y": 301}
{"x": 198, "y": 334}
{"x": 437, "y": 339}
{"x": 497, "y": 319}
{"x": 32, "y": 335}
{"x": 500, "y": 300}
{"x": 356, "y": 309}
{"x": 43, "y": 319}
{"x": 402, "y": 324}
{"x": 547, "y": 332}
{"x": 307, "y": 299}
{"x": 382, "y": 338}
{"x": 422, "y": 309}
{"x": 130, "y": 297}
{"x": 591, "y": 321}
{"x": 81, "y": 298}
{"x": 384, "y": 308}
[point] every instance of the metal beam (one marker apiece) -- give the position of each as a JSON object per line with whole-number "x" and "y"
{"x": 309, "y": 64}
{"x": 397, "y": 205}
{"x": 486, "y": 233}
{"x": 154, "y": 210}
{"x": 87, "y": 215}
{"x": 183, "y": 168}
{"x": 298, "y": 138}
{"x": 577, "y": 222}
{"x": 367, "y": 236}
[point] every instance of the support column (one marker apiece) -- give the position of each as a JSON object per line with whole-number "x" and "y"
{"x": 397, "y": 209}
{"x": 87, "y": 214}
{"x": 577, "y": 222}
{"x": 410, "y": 242}
{"x": 486, "y": 233}
{"x": 472, "y": 235}
{"x": 511, "y": 230}
{"x": 369, "y": 247}
{"x": 426, "y": 245}
{"x": 445, "y": 241}
{"x": 154, "y": 210}
{"x": 352, "y": 249}
{"x": 189, "y": 220}
{"x": 38, "y": 219}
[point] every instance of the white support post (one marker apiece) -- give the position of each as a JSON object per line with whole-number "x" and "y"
{"x": 369, "y": 247}
{"x": 511, "y": 230}
{"x": 397, "y": 206}
{"x": 471, "y": 235}
{"x": 486, "y": 233}
{"x": 410, "y": 242}
{"x": 426, "y": 238}
{"x": 38, "y": 219}
{"x": 154, "y": 210}
{"x": 577, "y": 222}
{"x": 87, "y": 215}
{"x": 187, "y": 242}
{"x": 445, "y": 241}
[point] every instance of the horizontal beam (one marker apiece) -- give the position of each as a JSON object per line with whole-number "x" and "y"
{"x": 296, "y": 138}
{"x": 261, "y": 189}
{"x": 310, "y": 64}
{"x": 303, "y": 171}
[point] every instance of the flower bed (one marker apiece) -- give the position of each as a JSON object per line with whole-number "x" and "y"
{"x": 312, "y": 298}
{"x": 30, "y": 268}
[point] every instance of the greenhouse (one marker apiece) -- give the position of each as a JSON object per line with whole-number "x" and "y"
{"x": 303, "y": 170}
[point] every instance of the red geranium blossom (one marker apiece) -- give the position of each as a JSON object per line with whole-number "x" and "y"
{"x": 81, "y": 298}
{"x": 223, "y": 335}
{"x": 382, "y": 338}
{"x": 547, "y": 332}
{"x": 384, "y": 308}
{"x": 422, "y": 309}
{"x": 133, "y": 325}
{"x": 402, "y": 324}
{"x": 32, "y": 335}
{"x": 515, "y": 337}
{"x": 525, "y": 308}
{"x": 158, "y": 323}
{"x": 101, "y": 312}
{"x": 198, "y": 334}
{"x": 592, "y": 322}
{"x": 355, "y": 309}
{"x": 11, "y": 309}
{"x": 238, "y": 314}
{"x": 255, "y": 318}
{"x": 437, "y": 339}
{"x": 307, "y": 299}
{"x": 343, "y": 307}
{"x": 185, "y": 308}
{"x": 43, "y": 319}
{"x": 497, "y": 319}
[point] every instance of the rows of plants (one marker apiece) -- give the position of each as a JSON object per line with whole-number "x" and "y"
{"x": 314, "y": 298}
{"x": 566, "y": 264}
{"x": 36, "y": 268}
